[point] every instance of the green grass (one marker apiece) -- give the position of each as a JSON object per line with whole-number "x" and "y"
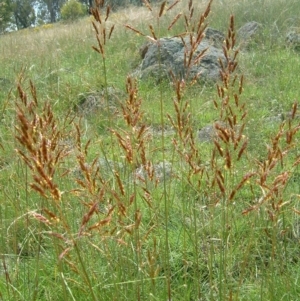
{"x": 220, "y": 224}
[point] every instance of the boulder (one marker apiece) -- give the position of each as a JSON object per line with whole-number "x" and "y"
{"x": 161, "y": 171}
{"x": 209, "y": 133}
{"x": 92, "y": 102}
{"x": 293, "y": 39}
{"x": 167, "y": 55}
{"x": 247, "y": 32}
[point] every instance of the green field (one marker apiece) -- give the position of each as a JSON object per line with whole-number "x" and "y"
{"x": 125, "y": 202}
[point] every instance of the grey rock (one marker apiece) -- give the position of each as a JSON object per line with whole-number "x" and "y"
{"x": 248, "y": 31}
{"x": 168, "y": 54}
{"x": 281, "y": 117}
{"x": 161, "y": 171}
{"x": 92, "y": 102}
{"x": 207, "y": 133}
{"x": 216, "y": 37}
{"x": 293, "y": 39}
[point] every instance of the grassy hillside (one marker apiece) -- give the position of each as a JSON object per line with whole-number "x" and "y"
{"x": 126, "y": 202}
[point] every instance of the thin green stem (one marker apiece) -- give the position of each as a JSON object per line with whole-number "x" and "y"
{"x": 87, "y": 278}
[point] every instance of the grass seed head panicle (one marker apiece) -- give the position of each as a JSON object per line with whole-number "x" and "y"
{"x": 192, "y": 37}
{"x": 102, "y": 29}
{"x": 230, "y": 143}
{"x": 39, "y": 135}
{"x": 182, "y": 122}
{"x": 134, "y": 138}
{"x": 274, "y": 173}
{"x": 232, "y": 110}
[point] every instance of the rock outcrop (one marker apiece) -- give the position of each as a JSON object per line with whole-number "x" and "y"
{"x": 168, "y": 56}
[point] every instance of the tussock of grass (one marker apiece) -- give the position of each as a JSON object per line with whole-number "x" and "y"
{"x": 128, "y": 204}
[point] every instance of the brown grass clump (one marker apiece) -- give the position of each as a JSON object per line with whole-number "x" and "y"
{"x": 40, "y": 137}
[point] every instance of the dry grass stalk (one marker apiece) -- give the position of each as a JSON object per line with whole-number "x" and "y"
{"x": 194, "y": 30}
{"x": 147, "y": 4}
{"x": 185, "y": 142}
{"x": 152, "y": 261}
{"x": 134, "y": 140}
{"x": 103, "y": 32}
{"x": 39, "y": 135}
{"x": 6, "y": 270}
{"x": 162, "y": 8}
{"x": 174, "y": 21}
{"x": 230, "y": 143}
{"x": 273, "y": 174}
